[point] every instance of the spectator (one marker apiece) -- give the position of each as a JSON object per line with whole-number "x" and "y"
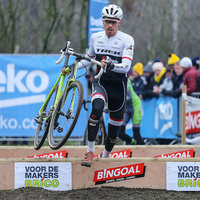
{"x": 172, "y": 59}
{"x": 190, "y": 75}
{"x": 155, "y": 81}
{"x": 147, "y": 71}
{"x": 130, "y": 75}
{"x": 167, "y": 85}
{"x": 148, "y": 74}
{"x": 133, "y": 111}
{"x": 196, "y": 63}
{"x": 138, "y": 81}
{"x": 178, "y": 80}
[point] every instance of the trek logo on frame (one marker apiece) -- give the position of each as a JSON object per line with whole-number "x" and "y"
{"x": 119, "y": 173}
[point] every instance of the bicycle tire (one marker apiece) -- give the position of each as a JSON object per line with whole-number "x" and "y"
{"x": 64, "y": 121}
{"x": 42, "y": 129}
{"x": 176, "y": 142}
{"x": 101, "y": 134}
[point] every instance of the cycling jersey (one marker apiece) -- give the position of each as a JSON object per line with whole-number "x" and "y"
{"x": 119, "y": 48}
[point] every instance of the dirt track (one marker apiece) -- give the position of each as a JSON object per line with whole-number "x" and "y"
{"x": 105, "y": 193}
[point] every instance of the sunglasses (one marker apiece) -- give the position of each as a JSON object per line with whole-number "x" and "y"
{"x": 110, "y": 22}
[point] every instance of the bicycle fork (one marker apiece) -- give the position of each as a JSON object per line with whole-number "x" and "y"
{"x": 69, "y": 112}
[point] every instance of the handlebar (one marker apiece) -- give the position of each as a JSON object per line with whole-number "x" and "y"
{"x": 61, "y": 57}
{"x": 66, "y": 50}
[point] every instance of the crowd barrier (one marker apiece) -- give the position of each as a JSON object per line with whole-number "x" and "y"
{"x": 27, "y": 79}
{"x": 157, "y": 167}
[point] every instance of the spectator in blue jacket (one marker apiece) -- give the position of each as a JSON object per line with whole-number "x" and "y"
{"x": 138, "y": 79}
{"x": 178, "y": 80}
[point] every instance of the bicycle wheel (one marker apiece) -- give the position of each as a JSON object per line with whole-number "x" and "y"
{"x": 43, "y": 125}
{"x": 176, "y": 142}
{"x": 65, "y": 117}
{"x": 101, "y": 134}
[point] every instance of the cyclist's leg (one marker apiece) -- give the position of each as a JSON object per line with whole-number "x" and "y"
{"x": 116, "y": 104}
{"x": 98, "y": 99}
{"x": 93, "y": 122}
{"x": 137, "y": 117}
{"x": 114, "y": 124}
{"x": 122, "y": 135}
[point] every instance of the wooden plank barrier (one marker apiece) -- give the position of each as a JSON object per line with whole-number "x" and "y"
{"x": 79, "y": 151}
{"x": 82, "y": 177}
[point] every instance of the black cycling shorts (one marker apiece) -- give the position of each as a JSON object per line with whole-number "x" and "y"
{"x": 114, "y": 94}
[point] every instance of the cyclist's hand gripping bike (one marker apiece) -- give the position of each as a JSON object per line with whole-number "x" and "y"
{"x": 60, "y": 111}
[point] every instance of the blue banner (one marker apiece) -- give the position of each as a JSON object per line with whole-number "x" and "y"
{"x": 94, "y": 16}
{"x": 25, "y": 81}
{"x": 160, "y": 118}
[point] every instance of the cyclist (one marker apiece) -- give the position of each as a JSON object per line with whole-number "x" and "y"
{"x": 110, "y": 88}
{"x": 133, "y": 110}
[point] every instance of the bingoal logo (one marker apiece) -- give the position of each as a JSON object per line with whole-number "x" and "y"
{"x": 180, "y": 154}
{"x": 192, "y": 122}
{"x": 119, "y": 173}
{"x": 59, "y": 154}
{"x": 119, "y": 154}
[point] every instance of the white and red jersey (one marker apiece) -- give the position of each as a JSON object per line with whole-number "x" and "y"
{"x": 119, "y": 48}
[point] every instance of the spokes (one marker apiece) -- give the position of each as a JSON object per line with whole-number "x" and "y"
{"x": 43, "y": 120}
{"x": 65, "y": 116}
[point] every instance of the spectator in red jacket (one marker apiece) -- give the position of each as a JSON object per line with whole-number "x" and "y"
{"x": 196, "y": 63}
{"x": 190, "y": 75}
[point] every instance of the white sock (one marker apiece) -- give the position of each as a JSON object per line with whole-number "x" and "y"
{"x": 91, "y": 146}
{"x": 105, "y": 154}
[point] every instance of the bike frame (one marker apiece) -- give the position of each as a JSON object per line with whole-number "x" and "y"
{"x": 60, "y": 91}
{"x": 61, "y": 78}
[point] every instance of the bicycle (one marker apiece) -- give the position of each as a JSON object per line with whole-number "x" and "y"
{"x": 188, "y": 141}
{"x": 101, "y": 134}
{"x": 60, "y": 111}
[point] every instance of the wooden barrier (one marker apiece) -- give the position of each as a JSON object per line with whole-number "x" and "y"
{"x": 79, "y": 151}
{"x": 82, "y": 177}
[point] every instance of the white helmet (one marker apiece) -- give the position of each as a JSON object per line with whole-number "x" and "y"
{"x": 112, "y": 11}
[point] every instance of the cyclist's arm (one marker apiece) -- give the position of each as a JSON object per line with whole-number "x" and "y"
{"x": 127, "y": 57}
{"x": 90, "y": 54}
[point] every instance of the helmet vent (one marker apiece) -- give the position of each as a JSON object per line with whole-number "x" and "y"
{"x": 116, "y": 12}
{"x": 111, "y": 11}
{"x": 107, "y": 11}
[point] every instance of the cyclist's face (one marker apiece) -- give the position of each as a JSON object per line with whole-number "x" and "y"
{"x": 111, "y": 26}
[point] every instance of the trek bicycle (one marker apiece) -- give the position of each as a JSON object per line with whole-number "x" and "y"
{"x": 101, "y": 134}
{"x": 60, "y": 111}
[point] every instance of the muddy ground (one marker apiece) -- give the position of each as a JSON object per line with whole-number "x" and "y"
{"x": 104, "y": 193}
